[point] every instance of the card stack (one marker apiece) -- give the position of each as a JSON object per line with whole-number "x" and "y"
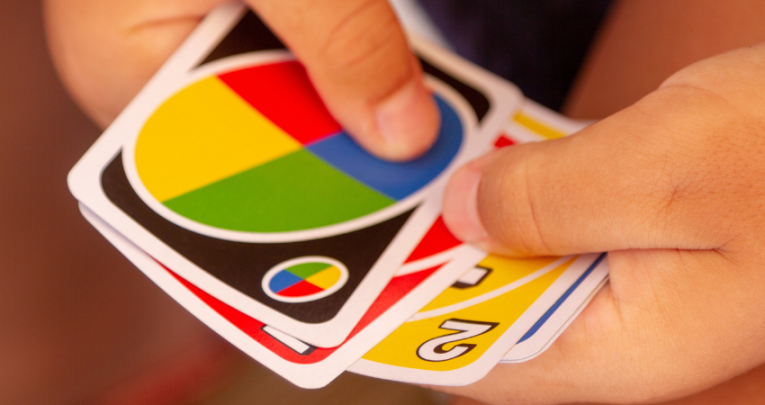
{"x": 228, "y": 183}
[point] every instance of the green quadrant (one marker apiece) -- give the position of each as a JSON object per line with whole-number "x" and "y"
{"x": 306, "y": 270}
{"x": 295, "y": 192}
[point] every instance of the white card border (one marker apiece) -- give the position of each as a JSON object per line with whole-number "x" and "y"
{"x": 559, "y": 321}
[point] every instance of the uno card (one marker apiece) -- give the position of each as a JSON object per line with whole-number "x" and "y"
{"x": 463, "y": 333}
{"x": 228, "y": 169}
{"x": 303, "y": 364}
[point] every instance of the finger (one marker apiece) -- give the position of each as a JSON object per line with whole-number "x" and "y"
{"x": 358, "y": 59}
{"x": 106, "y": 50}
{"x": 643, "y": 178}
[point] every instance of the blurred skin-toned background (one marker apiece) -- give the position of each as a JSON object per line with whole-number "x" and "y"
{"x": 79, "y": 324}
{"x": 75, "y": 317}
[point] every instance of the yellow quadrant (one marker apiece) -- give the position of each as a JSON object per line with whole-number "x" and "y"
{"x": 325, "y": 278}
{"x": 503, "y": 271}
{"x": 535, "y": 126}
{"x": 203, "y": 134}
{"x": 400, "y": 347}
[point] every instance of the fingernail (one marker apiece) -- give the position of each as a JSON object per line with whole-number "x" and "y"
{"x": 460, "y": 207}
{"x": 408, "y": 121}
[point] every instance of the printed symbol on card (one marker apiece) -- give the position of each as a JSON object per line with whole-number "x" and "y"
{"x": 251, "y": 152}
{"x": 296, "y": 345}
{"x": 436, "y": 349}
{"x": 472, "y": 278}
{"x": 305, "y": 279}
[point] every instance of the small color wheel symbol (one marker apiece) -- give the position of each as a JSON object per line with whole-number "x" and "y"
{"x": 305, "y": 279}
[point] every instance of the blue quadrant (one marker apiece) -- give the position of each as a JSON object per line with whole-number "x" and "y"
{"x": 282, "y": 280}
{"x": 395, "y": 180}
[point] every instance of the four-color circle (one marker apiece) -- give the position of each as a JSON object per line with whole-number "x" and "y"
{"x": 252, "y": 154}
{"x": 305, "y": 279}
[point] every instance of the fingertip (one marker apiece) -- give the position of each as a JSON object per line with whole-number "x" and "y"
{"x": 408, "y": 122}
{"x": 460, "y": 206}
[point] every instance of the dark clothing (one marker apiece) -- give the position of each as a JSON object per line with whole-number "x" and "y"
{"x": 536, "y": 44}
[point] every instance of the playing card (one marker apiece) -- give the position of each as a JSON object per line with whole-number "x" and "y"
{"x": 312, "y": 367}
{"x": 303, "y": 364}
{"x": 228, "y": 169}
{"x": 458, "y": 337}
{"x": 437, "y": 247}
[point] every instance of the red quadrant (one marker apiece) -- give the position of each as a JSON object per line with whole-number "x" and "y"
{"x": 283, "y": 93}
{"x": 300, "y": 289}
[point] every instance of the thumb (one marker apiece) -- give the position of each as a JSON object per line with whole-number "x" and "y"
{"x": 358, "y": 59}
{"x": 618, "y": 184}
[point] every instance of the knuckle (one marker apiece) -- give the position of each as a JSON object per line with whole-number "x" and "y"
{"x": 366, "y": 39}
{"x": 360, "y": 29}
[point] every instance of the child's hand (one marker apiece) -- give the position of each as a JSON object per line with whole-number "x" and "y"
{"x": 674, "y": 188}
{"x": 354, "y": 50}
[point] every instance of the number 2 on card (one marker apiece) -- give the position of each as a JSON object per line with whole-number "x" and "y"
{"x": 433, "y": 349}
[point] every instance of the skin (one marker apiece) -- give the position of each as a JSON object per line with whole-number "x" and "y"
{"x": 669, "y": 184}
{"x": 743, "y": 390}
